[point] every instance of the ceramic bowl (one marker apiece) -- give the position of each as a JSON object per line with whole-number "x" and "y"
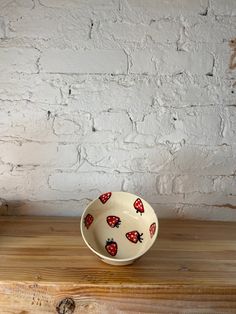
{"x": 119, "y": 227}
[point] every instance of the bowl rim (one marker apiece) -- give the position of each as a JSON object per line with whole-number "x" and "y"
{"x": 110, "y": 258}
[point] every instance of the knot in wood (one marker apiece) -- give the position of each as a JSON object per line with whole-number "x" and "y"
{"x": 66, "y": 306}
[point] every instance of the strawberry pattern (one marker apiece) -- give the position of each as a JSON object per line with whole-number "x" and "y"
{"x": 134, "y": 236}
{"x": 111, "y": 247}
{"x": 152, "y": 229}
{"x": 88, "y": 220}
{"x": 138, "y": 205}
{"x": 113, "y": 221}
{"x": 105, "y": 197}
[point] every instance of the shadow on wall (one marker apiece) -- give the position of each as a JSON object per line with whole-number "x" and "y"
{"x": 43, "y": 208}
{"x": 197, "y": 183}
{"x": 12, "y": 208}
{"x": 194, "y": 183}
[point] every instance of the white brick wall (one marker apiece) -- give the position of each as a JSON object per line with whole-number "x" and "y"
{"x": 86, "y": 61}
{"x": 125, "y": 95}
{"x": 18, "y": 60}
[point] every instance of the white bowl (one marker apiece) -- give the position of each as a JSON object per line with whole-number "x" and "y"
{"x": 119, "y": 227}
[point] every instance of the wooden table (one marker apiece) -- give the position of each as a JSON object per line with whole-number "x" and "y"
{"x": 46, "y": 268}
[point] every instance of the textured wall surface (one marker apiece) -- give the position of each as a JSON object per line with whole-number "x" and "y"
{"x": 131, "y": 95}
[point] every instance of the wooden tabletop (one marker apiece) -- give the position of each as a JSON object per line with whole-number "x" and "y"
{"x": 45, "y": 267}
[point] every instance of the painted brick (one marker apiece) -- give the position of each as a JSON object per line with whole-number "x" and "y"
{"x": 185, "y": 90}
{"x": 140, "y": 140}
{"x": 138, "y": 94}
{"x": 16, "y": 5}
{"x": 2, "y": 28}
{"x": 143, "y": 62}
{"x": 84, "y": 181}
{"x": 170, "y": 8}
{"x": 224, "y": 7}
{"x": 99, "y": 138}
{"x": 171, "y": 62}
{"x": 39, "y": 154}
{"x": 189, "y": 125}
{"x": 113, "y": 121}
{"x": 126, "y": 160}
{"x": 165, "y": 184}
{"x": 230, "y": 125}
{"x": 17, "y": 123}
{"x": 218, "y": 199}
{"x": 124, "y": 31}
{"x": 38, "y": 90}
{"x": 5, "y": 168}
{"x": 89, "y": 61}
{"x": 144, "y": 184}
{"x": 164, "y": 31}
{"x": 13, "y": 186}
{"x": 62, "y": 27}
{"x": 72, "y": 124}
{"x": 38, "y": 127}
{"x": 218, "y": 30}
{"x": 190, "y": 184}
{"x": 134, "y": 94}
{"x": 158, "y": 124}
{"x": 222, "y": 54}
{"x": 193, "y": 126}
{"x": 23, "y": 183}
{"x": 226, "y": 185}
{"x": 191, "y": 159}
{"x": 74, "y": 3}
{"x": 18, "y": 60}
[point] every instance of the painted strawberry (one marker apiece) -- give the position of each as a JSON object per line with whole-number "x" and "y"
{"x": 152, "y": 229}
{"x": 134, "y": 236}
{"x": 138, "y": 205}
{"x": 111, "y": 247}
{"x": 113, "y": 221}
{"x": 105, "y": 197}
{"x": 88, "y": 220}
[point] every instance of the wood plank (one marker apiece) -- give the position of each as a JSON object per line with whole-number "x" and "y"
{"x": 43, "y": 260}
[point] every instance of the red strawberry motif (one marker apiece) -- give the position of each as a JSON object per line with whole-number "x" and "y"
{"x": 105, "y": 197}
{"x": 111, "y": 247}
{"x": 88, "y": 220}
{"x": 138, "y": 205}
{"x": 152, "y": 229}
{"x": 113, "y": 221}
{"x": 134, "y": 236}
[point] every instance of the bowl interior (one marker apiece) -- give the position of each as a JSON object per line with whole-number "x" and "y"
{"x": 119, "y": 225}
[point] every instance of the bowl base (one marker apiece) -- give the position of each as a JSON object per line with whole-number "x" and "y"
{"x": 117, "y": 263}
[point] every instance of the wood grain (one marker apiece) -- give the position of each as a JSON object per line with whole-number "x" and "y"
{"x": 44, "y": 263}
